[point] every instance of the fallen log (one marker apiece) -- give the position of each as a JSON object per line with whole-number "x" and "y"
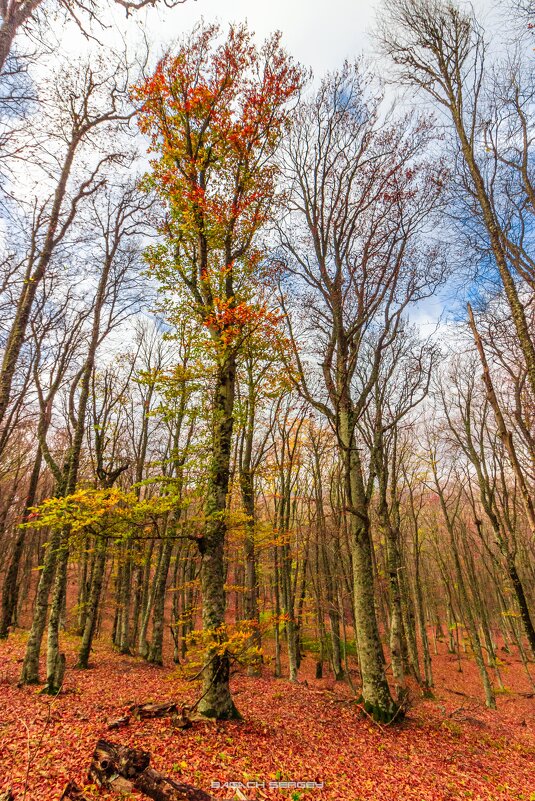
{"x": 122, "y": 769}
{"x": 144, "y": 711}
{"x": 119, "y": 723}
{"x": 179, "y": 720}
{"x": 73, "y": 793}
{"x": 111, "y": 760}
{"x": 160, "y": 788}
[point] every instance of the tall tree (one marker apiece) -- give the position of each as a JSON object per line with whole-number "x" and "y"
{"x": 82, "y": 104}
{"x": 360, "y": 195}
{"x": 215, "y": 112}
{"x": 114, "y": 226}
{"x": 441, "y": 49}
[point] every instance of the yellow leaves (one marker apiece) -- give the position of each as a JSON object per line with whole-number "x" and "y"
{"x": 113, "y": 512}
{"x": 234, "y": 641}
{"x": 85, "y": 508}
{"x": 237, "y": 525}
{"x": 234, "y": 588}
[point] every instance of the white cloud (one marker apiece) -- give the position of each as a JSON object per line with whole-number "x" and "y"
{"x": 319, "y": 34}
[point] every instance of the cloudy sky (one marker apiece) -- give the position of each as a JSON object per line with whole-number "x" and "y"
{"x": 319, "y": 33}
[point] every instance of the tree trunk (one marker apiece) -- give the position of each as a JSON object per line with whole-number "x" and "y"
{"x": 396, "y": 618}
{"x": 250, "y": 606}
{"x": 288, "y": 610}
{"x": 276, "y": 587}
{"x": 85, "y": 582}
{"x": 251, "y": 586}
{"x": 420, "y": 616}
{"x": 376, "y": 696}
{"x": 30, "y": 666}
{"x": 146, "y": 605}
{"x": 126, "y": 594}
{"x": 158, "y": 607}
{"x": 99, "y": 567}
{"x": 216, "y": 700}
{"x": 56, "y": 607}
{"x": 10, "y": 592}
{"x": 520, "y": 595}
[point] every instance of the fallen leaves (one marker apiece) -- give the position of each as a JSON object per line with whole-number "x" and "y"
{"x": 291, "y": 733}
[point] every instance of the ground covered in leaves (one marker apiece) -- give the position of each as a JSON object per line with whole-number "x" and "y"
{"x": 447, "y": 748}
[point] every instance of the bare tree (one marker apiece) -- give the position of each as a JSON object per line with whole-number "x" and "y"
{"x": 441, "y": 50}
{"x": 85, "y": 102}
{"x": 115, "y": 220}
{"x": 468, "y": 413}
{"x": 16, "y": 15}
{"x": 359, "y": 197}
{"x": 56, "y": 333}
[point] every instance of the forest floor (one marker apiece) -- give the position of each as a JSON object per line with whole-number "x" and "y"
{"x": 451, "y": 747}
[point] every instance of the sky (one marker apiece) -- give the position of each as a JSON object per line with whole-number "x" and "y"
{"x": 319, "y": 33}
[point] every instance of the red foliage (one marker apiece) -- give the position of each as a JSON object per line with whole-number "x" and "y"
{"x": 215, "y": 113}
{"x": 451, "y": 748}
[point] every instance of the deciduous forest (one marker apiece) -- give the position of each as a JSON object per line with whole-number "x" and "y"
{"x": 267, "y": 408}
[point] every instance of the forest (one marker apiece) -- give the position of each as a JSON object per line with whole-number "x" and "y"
{"x": 267, "y": 407}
